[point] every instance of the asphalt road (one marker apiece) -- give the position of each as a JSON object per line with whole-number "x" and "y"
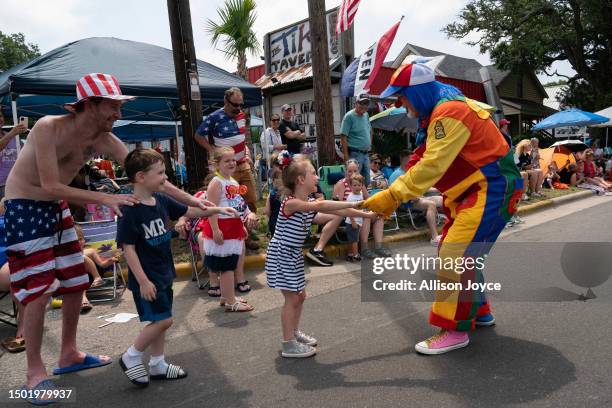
{"x": 553, "y": 352}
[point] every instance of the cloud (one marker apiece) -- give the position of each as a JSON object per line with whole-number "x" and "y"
{"x": 51, "y": 24}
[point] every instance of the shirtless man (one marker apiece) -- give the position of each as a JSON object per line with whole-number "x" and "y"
{"x": 45, "y": 257}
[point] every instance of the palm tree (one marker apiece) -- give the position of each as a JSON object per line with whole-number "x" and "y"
{"x": 235, "y": 27}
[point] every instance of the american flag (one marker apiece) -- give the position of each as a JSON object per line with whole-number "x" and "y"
{"x": 41, "y": 262}
{"x": 346, "y": 15}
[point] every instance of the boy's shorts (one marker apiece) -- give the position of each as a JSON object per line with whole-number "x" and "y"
{"x": 159, "y": 309}
{"x": 44, "y": 253}
{"x": 352, "y": 234}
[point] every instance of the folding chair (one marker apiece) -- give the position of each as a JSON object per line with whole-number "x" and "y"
{"x": 194, "y": 248}
{"x": 10, "y": 315}
{"x": 101, "y": 236}
{"x": 393, "y": 219}
{"x": 324, "y": 182}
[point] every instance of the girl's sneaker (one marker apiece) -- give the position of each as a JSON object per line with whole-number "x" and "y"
{"x": 443, "y": 342}
{"x": 295, "y": 349}
{"x": 304, "y": 338}
{"x": 486, "y": 320}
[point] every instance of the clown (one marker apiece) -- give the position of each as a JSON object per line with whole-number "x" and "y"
{"x": 461, "y": 152}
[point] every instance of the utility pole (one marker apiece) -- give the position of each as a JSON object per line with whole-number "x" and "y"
{"x": 188, "y": 86}
{"x": 321, "y": 81}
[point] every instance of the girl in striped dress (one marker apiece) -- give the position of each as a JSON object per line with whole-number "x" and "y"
{"x": 285, "y": 260}
{"x": 224, "y": 236}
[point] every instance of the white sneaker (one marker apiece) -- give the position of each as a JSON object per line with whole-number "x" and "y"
{"x": 295, "y": 349}
{"x": 305, "y": 338}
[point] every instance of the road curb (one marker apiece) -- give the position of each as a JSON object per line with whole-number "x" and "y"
{"x": 541, "y": 205}
{"x": 258, "y": 261}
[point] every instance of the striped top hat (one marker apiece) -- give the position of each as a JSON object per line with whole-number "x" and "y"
{"x": 408, "y": 75}
{"x": 101, "y": 86}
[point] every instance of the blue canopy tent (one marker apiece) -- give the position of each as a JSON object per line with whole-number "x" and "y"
{"x": 40, "y": 87}
{"x": 570, "y": 117}
{"x": 130, "y": 131}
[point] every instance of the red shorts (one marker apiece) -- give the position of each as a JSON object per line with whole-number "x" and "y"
{"x": 43, "y": 249}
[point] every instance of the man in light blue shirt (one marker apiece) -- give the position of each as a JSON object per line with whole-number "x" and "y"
{"x": 356, "y": 135}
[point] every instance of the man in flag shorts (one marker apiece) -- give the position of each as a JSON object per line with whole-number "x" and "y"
{"x": 461, "y": 152}
{"x": 45, "y": 257}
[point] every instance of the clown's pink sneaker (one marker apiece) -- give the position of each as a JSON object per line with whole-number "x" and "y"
{"x": 443, "y": 342}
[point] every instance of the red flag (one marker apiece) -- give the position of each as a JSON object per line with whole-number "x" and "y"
{"x": 382, "y": 48}
{"x": 346, "y": 15}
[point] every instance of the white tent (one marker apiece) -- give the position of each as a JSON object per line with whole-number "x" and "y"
{"x": 608, "y": 114}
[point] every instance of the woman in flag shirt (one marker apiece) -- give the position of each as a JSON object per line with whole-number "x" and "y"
{"x": 462, "y": 154}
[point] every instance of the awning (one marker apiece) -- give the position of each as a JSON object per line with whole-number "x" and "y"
{"x": 291, "y": 75}
{"x": 514, "y": 106}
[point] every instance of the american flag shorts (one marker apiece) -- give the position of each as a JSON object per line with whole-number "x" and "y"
{"x": 43, "y": 249}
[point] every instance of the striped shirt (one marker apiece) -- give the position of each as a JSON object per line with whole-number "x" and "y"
{"x": 225, "y": 131}
{"x": 292, "y": 230}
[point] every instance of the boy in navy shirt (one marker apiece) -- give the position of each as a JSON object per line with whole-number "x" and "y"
{"x": 145, "y": 234}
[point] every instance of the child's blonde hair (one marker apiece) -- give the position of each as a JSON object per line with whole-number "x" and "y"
{"x": 356, "y": 177}
{"x": 219, "y": 152}
{"x": 296, "y": 168}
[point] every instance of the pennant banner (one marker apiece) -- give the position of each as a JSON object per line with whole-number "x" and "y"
{"x": 360, "y": 74}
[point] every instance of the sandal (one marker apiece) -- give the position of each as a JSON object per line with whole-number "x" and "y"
{"x": 238, "y": 307}
{"x": 86, "y": 307}
{"x": 134, "y": 373}
{"x": 173, "y": 372}
{"x": 214, "y": 291}
{"x": 96, "y": 283}
{"x": 240, "y": 287}
{"x": 14, "y": 344}
{"x": 238, "y": 299}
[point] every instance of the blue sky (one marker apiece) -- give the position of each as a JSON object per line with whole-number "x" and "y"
{"x": 51, "y": 24}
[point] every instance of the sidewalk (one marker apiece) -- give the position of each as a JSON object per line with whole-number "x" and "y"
{"x": 257, "y": 261}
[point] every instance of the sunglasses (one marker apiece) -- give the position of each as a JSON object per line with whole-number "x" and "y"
{"x": 376, "y": 162}
{"x": 275, "y": 120}
{"x": 235, "y": 105}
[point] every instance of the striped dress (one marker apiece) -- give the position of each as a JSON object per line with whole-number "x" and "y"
{"x": 285, "y": 260}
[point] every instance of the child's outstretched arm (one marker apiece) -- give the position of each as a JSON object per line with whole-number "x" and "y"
{"x": 195, "y": 212}
{"x": 351, "y": 212}
{"x": 295, "y": 205}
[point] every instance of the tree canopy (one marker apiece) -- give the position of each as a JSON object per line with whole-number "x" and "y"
{"x": 14, "y": 50}
{"x": 524, "y": 35}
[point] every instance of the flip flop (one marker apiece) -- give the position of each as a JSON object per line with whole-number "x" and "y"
{"x": 14, "y": 344}
{"x": 244, "y": 284}
{"x": 86, "y": 307}
{"x": 134, "y": 373}
{"x": 45, "y": 385}
{"x": 90, "y": 361}
{"x": 173, "y": 372}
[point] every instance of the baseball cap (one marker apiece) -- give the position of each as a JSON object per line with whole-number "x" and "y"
{"x": 285, "y": 107}
{"x": 101, "y": 86}
{"x": 363, "y": 98}
{"x": 408, "y": 75}
{"x": 504, "y": 122}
